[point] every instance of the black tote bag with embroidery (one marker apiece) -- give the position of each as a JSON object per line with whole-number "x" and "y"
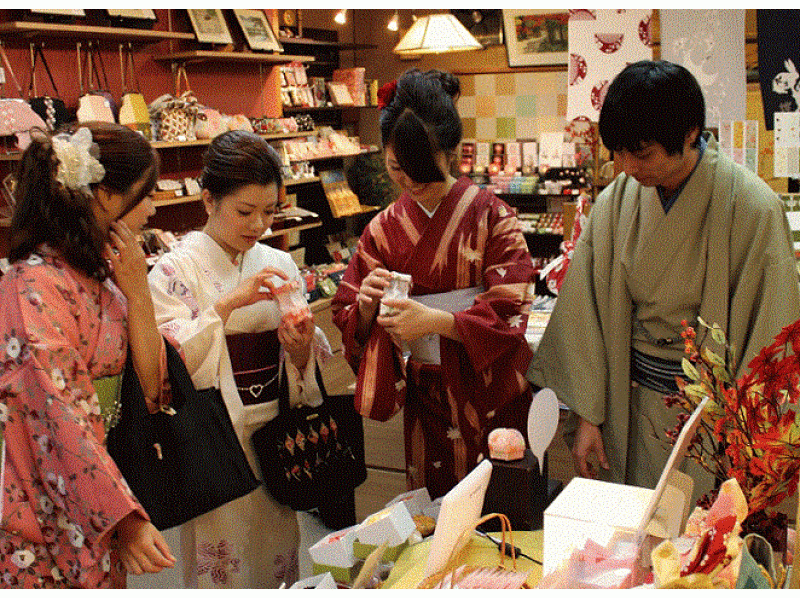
{"x": 184, "y": 460}
{"x": 310, "y": 455}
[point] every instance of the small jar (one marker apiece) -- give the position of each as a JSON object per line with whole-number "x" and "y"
{"x": 292, "y": 302}
{"x": 398, "y": 288}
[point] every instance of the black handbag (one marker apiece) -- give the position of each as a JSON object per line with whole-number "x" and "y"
{"x": 51, "y": 109}
{"x": 184, "y": 460}
{"x": 311, "y": 456}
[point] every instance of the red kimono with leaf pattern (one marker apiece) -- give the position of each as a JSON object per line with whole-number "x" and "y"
{"x": 473, "y": 239}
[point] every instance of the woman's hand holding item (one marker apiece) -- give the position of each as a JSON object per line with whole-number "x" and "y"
{"x": 142, "y": 548}
{"x": 588, "y": 442}
{"x": 249, "y": 291}
{"x": 296, "y": 339}
{"x": 414, "y": 320}
{"x": 369, "y": 298}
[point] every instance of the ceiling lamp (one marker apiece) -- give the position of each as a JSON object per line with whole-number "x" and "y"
{"x": 435, "y": 34}
{"x": 341, "y": 16}
{"x": 393, "y": 22}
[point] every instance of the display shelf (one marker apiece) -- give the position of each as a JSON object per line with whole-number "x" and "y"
{"x": 304, "y": 181}
{"x": 10, "y": 157}
{"x": 304, "y": 41}
{"x": 335, "y": 156}
{"x": 34, "y": 29}
{"x": 157, "y": 203}
{"x": 196, "y": 142}
{"x": 294, "y": 109}
{"x": 211, "y": 55}
{"x": 292, "y": 229}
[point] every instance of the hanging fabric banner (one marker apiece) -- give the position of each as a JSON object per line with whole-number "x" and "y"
{"x": 601, "y": 43}
{"x": 710, "y": 44}
{"x": 778, "y": 61}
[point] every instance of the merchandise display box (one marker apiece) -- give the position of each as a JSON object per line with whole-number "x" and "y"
{"x": 610, "y": 513}
{"x": 391, "y": 526}
{"x": 617, "y": 514}
{"x": 335, "y": 549}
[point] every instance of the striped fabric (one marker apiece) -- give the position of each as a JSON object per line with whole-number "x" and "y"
{"x": 655, "y": 373}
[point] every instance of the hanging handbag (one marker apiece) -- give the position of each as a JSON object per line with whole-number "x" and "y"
{"x": 176, "y": 114}
{"x": 133, "y": 110}
{"x": 92, "y": 105}
{"x": 311, "y": 455}
{"x": 16, "y": 116}
{"x": 51, "y": 109}
{"x": 184, "y": 460}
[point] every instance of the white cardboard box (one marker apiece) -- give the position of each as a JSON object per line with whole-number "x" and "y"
{"x": 605, "y": 513}
{"x": 416, "y": 501}
{"x": 391, "y": 525}
{"x": 609, "y": 513}
{"x": 335, "y": 549}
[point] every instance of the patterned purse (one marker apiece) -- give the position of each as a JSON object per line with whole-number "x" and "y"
{"x": 51, "y": 109}
{"x": 311, "y": 455}
{"x": 176, "y": 114}
{"x": 16, "y": 116}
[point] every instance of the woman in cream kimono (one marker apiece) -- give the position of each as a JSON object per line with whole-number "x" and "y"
{"x": 211, "y": 297}
{"x": 683, "y": 233}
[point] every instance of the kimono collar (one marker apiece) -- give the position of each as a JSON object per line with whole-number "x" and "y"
{"x": 219, "y": 259}
{"x": 668, "y": 202}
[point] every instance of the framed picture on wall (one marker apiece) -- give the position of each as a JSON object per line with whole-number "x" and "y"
{"x": 209, "y": 25}
{"x": 132, "y": 13}
{"x": 535, "y": 37}
{"x": 257, "y": 30}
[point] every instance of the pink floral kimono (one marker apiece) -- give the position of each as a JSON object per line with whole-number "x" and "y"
{"x": 62, "y": 493}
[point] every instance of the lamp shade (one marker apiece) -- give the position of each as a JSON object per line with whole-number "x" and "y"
{"x": 435, "y": 34}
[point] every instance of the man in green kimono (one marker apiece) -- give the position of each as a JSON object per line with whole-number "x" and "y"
{"x": 682, "y": 233}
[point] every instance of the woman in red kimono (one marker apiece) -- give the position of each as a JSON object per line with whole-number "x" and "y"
{"x": 75, "y": 297}
{"x": 463, "y": 326}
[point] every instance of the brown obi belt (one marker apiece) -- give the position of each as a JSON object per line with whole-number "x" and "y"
{"x": 254, "y": 357}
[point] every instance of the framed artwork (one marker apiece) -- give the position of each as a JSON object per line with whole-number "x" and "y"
{"x": 257, "y": 30}
{"x": 209, "y": 25}
{"x": 132, "y": 13}
{"x": 535, "y": 37}
{"x": 63, "y": 12}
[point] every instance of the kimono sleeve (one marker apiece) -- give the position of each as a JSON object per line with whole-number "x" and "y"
{"x": 493, "y": 330}
{"x": 61, "y": 486}
{"x": 197, "y": 329}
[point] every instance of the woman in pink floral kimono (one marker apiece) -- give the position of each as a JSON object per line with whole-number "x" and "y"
{"x": 75, "y": 297}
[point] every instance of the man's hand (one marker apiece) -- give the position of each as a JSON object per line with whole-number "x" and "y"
{"x": 588, "y": 449}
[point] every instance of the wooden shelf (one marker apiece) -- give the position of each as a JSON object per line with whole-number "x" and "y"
{"x": 305, "y": 181}
{"x": 12, "y": 157}
{"x": 292, "y": 109}
{"x": 304, "y": 41}
{"x": 157, "y": 203}
{"x": 267, "y": 136}
{"x": 291, "y": 229}
{"x": 33, "y": 29}
{"x": 210, "y": 55}
{"x": 333, "y": 156}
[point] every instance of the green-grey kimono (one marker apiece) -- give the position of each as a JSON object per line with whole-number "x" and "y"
{"x": 723, "y": 251}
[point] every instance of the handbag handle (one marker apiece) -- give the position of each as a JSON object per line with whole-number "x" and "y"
{"x": 97, "y": 55}
{"x": 36, "y": 53}
{"x": 126, "y": 64}
{"x": 9, "y": 69}
{"x": 181, "y": 71}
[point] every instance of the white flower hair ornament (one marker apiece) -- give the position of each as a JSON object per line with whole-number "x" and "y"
{"x": 78, "y": 166}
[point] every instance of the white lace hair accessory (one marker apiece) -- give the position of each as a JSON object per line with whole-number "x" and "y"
{"x": 78, "y": 166}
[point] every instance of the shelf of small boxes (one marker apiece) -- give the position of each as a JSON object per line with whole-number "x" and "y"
{"x": 346, "y": 88}
{"x": 324, "y": 145}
